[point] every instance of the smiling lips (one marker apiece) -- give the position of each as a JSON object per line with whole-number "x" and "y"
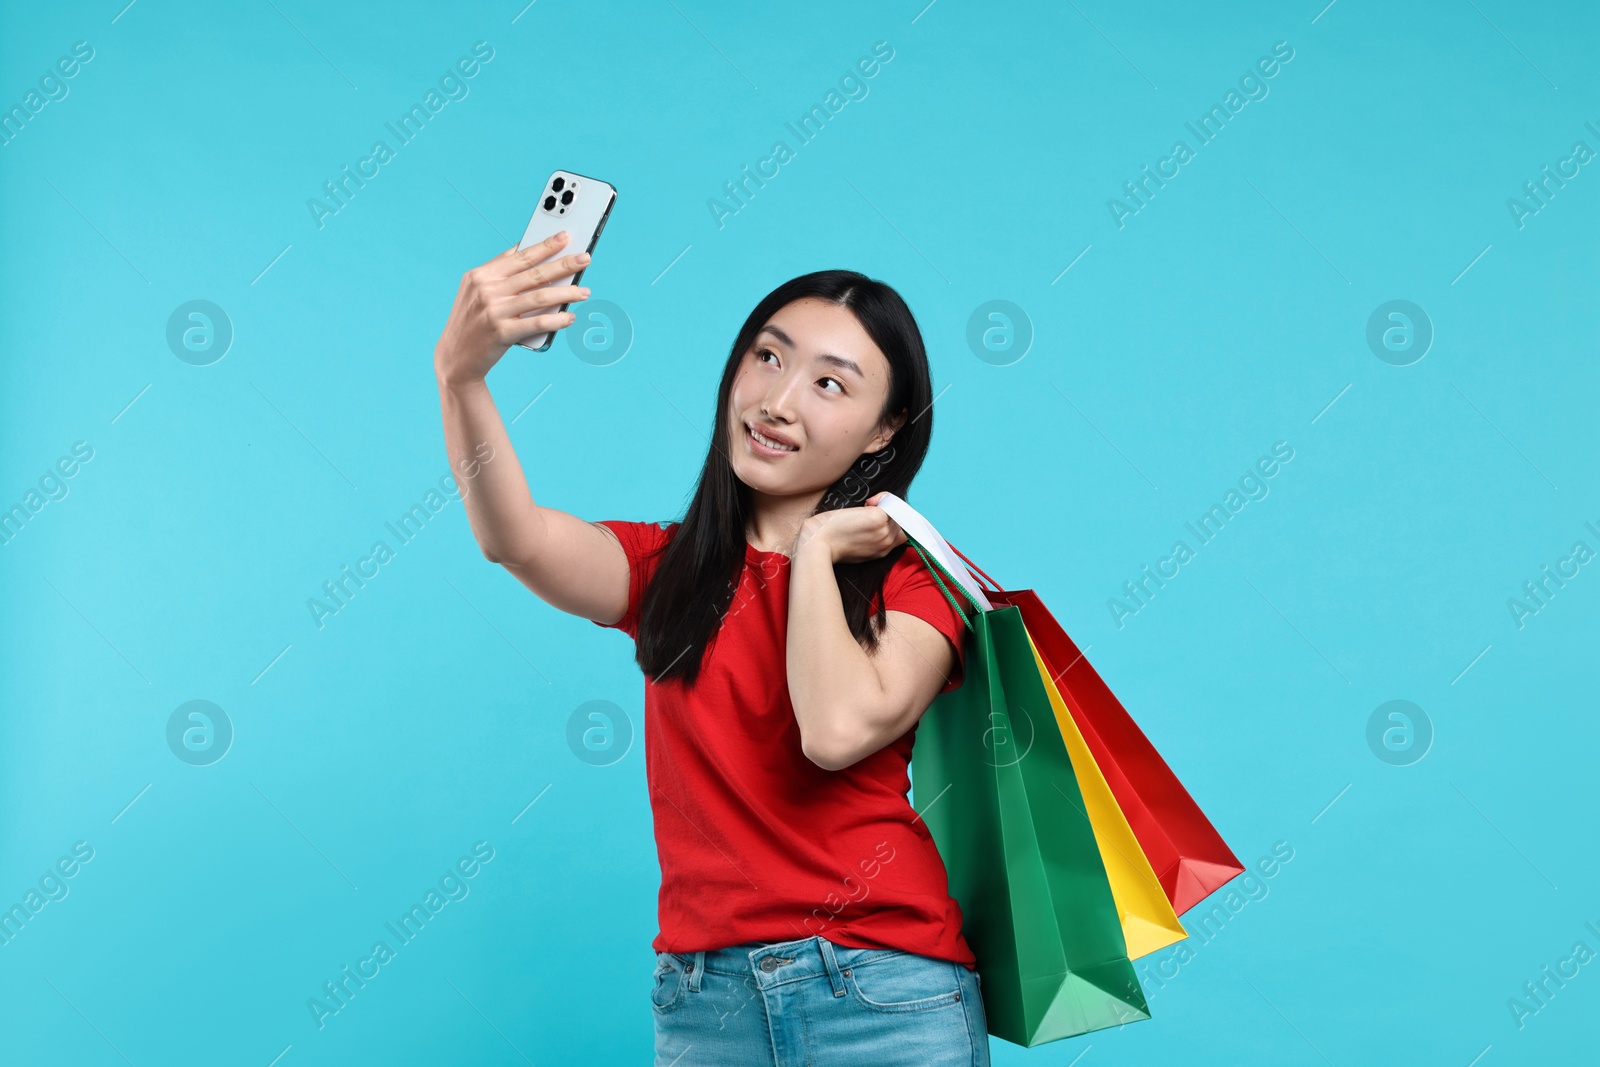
{"x": 769, "y": 442}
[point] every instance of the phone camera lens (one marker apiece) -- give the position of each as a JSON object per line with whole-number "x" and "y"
{"x": 558, "y": 184}
{"x": 549, "y": 203}
{"x": 566, "y": 197}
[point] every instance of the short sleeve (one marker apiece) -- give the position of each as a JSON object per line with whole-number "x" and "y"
{"x": 642, "y": 542}
{"x": 910, "y": 587}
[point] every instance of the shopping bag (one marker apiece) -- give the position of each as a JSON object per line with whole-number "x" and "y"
{"x": 993, "y": 781}
{"x": 1187, "y": 853}
{"x": 1148, "y": 920}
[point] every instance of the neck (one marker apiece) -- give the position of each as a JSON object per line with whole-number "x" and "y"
{"x": 775, "y": 523}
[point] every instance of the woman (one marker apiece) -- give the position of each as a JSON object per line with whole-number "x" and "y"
{"x": 790, "y": 643}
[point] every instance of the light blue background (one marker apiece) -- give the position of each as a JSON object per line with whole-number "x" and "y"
{"x": 1228, "y": 314}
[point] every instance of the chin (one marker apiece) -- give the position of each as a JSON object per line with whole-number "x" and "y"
{"x": 760, "y": 484}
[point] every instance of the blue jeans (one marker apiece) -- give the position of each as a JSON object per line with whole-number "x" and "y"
{"x": 811, "y": 1003}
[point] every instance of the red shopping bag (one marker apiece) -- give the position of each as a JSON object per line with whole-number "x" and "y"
{"x": 1188, "y": 855}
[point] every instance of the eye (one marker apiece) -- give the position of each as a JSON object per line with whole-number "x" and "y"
{"x": 760, "y": 352}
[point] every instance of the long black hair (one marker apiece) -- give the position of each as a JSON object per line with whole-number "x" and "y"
{"x": 701, "y": 567}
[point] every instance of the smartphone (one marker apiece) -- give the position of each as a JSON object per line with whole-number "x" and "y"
{"x": 575, "y": 203}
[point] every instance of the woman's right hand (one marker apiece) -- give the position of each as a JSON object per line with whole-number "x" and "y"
{"x": 485, "y": 320}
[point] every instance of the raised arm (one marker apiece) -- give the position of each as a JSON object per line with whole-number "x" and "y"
{"x": 576, "y": 566}
{"x": 847, "y": 702}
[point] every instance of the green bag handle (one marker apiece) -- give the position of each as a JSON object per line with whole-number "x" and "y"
{"x": 939, "y": 576}
{"x": 937, "y": 554}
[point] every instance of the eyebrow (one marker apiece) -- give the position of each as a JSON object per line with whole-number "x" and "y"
{"x": 837, "y": 361}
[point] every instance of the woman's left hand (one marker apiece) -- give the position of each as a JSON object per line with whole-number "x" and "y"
{"x": 852, "y": 535}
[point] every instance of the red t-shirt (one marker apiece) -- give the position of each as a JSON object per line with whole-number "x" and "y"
{"x": 755, "y": 841}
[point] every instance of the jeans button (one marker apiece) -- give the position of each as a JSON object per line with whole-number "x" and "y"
{"x": 769, "y": 963}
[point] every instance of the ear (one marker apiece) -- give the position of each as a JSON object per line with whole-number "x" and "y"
{"x": 881, "y": 439}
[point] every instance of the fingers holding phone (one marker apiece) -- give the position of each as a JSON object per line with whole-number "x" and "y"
{"x": 504, "y": 302}
{"x": 538, "y": 287}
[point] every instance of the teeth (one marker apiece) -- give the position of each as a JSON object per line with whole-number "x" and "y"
{"x": 769, "y": 442}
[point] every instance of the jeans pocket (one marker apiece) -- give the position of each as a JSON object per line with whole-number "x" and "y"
{"x": 671, "y": 980}
{"x": 904, "y": 982}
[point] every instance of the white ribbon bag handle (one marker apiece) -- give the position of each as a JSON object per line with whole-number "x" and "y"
{"x": 919, "y": 528}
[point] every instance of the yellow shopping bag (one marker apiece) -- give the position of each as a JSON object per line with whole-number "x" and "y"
{"x": 1148, "y": 921}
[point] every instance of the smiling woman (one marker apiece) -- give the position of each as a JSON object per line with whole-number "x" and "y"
{"x": 790, "y": 644}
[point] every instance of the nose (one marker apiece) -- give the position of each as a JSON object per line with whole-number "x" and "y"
{"x": 779, "y": 401}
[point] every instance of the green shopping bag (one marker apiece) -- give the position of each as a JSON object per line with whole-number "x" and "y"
{"x": 994, "y": 783}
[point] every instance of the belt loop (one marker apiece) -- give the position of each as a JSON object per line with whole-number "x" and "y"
{"x": 697, "y": 967}
{"x": 832, "y": 965}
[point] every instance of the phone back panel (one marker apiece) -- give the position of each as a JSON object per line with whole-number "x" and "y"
{"x": 582, "y": 214}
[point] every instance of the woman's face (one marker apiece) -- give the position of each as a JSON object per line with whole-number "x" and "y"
{"x": 812, "y": 379}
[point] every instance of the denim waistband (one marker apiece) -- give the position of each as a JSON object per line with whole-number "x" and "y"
{"x": 774, "y": 963}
